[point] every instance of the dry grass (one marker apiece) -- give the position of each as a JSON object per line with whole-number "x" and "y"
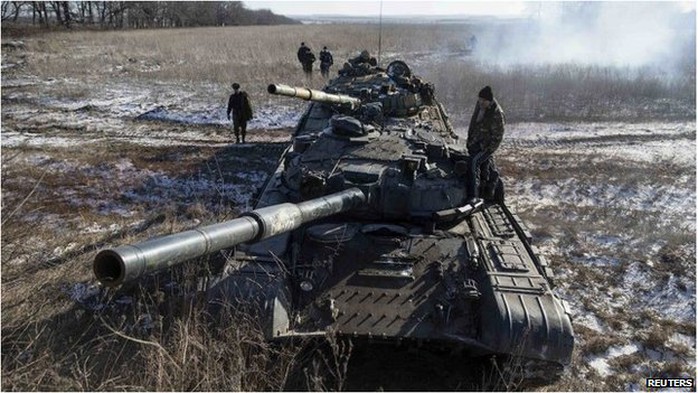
{"x": 637, "y": 236}
{"x": 160, "y": 342}
{"x": 258, "y": 55}
{"x": 656, "y": 336}
{"x": 54, "y": 339}
{"x": 606, "y": 181}
{"x": 599, "y": 344}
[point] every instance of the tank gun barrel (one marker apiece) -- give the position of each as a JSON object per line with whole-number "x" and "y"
{"x": 113, "y": 267}
{"x": 314, "y": 95}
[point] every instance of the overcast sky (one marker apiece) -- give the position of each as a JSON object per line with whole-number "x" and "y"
{"x": 391, "y": 7}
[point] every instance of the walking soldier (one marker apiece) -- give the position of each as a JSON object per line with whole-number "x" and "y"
{"x": 307, "y": 58}
{"x": 239, "y": 105}
{"x": 326, "y": 62}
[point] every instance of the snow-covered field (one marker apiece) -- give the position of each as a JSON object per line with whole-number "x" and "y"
{"x": 613, "y": 205}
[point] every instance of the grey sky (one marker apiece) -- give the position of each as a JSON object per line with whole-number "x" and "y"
{"x": 391, "y": 7}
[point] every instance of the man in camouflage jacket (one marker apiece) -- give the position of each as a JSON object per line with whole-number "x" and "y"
{"x": 484, "y": 136}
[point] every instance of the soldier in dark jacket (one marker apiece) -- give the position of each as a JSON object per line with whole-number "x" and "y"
{"x": 307, "y": 58}
{"x": 239, "y": 104}
{"x": 484, "y": 136}
{"x": 326, "y": 62}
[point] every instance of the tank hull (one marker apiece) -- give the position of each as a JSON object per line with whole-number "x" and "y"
{"x": 404, "y": 285}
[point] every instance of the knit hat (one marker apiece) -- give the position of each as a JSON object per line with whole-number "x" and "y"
{"x": 486, "y": 93}
{"x": 236, "y": 86}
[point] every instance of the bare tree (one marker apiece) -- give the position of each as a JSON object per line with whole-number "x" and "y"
{"x": 66, "y": 14}
{"x": 56, "y": 7}
{"x": 5, "y": 7}
{"x": 89, "y": 12}
{"x": 12, "y": 9}
{"x": 140, "y": 14}
{"x": 39, "y": 8}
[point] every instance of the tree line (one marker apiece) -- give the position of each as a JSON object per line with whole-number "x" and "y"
{"x": 137, "y": 14}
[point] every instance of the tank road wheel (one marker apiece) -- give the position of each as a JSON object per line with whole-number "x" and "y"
{"x": 398, "y": 68}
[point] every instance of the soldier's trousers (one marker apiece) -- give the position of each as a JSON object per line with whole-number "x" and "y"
{"x": 325, "y": 70}
{"x": 483, "y": 176}
{"x": 308, "y": 68}
{"x": 239, "y": 127}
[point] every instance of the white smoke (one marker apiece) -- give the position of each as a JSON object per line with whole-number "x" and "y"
{"x": 602, "y": 33}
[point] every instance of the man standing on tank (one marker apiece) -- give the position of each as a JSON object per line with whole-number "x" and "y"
{"x": 326, "y": 62}
{"x": 239, "y": 105}
{"x": 485, "y": 133}
{"x": 306, "y": 58}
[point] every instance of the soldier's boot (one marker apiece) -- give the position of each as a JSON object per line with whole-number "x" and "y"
{"x": 474, "y": 197}
{"x": 237, "y": 139}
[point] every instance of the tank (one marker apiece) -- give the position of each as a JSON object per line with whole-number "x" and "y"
{"x": 365, "y": 229}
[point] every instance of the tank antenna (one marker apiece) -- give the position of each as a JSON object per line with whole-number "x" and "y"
{"x": 380, "y": 31}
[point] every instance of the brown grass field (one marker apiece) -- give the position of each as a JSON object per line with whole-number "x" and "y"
{"x": 75, "y": 186}
{"x": 204, "y": 61}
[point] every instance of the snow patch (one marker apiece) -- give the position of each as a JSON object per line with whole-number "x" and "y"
{"x": 266, "y": 117}
{"x": 601, "y": 366}
{"x": 164, "y": 188}
{"x": 600, "y": 363}
{"x": 682, "y": 339}
{"x": 606, "y": 139}
{"x": 670, "y": 200}
{"x": 96, "y": 228}
{"x": 86, "y": 294}
{"x": 586, "y": 319}
{"x": 674, "y": 300}
{"x": 60, "y": 250}
{"x": 596, "y": 260}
